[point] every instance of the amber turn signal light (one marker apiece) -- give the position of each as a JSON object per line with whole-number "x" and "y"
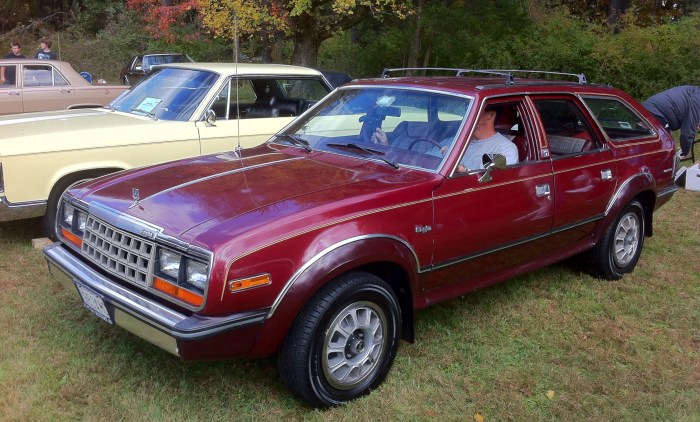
{"x": 72, "y": 238}
{"x": 178, "y": 292}
{"x": 248, "y": 283}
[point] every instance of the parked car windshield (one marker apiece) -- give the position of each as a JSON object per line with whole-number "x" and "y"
{"x": 149, "y": 61}
{"x": 407, "y": 127}
{"x": 167, "y": 94}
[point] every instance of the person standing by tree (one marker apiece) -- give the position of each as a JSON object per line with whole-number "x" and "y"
{"x": 7, "y": 73}
{"x": 45, "y": 52}
{"x": 678, "y": 108}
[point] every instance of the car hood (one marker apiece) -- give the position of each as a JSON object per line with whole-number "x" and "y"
{"x": 38, "y": 132}
{"x": 189, "y": 197}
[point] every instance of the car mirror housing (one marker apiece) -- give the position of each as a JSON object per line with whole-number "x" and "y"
{"x": 491, "y": 162}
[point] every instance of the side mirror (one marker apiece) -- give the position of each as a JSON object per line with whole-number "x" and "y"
{"x": 491, "y": 162}
{"x": 210, "y": 118}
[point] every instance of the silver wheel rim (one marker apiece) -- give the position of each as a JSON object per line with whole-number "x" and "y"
{"x": 354, "y": 344}
{"x": 626, "y": 239}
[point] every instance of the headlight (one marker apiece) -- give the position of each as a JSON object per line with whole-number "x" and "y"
{"x": 181, "y": 276}
{"x": 197, "y": 274}
{"x": 68, "y": 213}
{"x": 72, "y": 222}
{"x": 169, "y": 263}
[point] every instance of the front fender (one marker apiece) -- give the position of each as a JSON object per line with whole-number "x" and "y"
{"x": 374, "y": 253}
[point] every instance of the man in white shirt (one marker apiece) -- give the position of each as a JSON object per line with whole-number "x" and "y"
{"x": 487, "y": 141}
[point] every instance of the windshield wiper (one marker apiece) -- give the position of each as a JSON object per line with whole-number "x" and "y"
{"x": 369, "y": 151}
{"x": 296, "y": 141}
{"x": 150, "y": 114}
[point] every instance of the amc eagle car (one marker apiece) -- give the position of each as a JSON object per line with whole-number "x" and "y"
{"x": 320, "y": 245}
{"x": 45, "y": 85}
{"x": 180, "y": 110}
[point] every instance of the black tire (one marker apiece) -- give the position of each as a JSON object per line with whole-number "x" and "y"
{"x": 343, "y": 343}
{"x": 618, "y": 251}
{"x": 53, "y": 202}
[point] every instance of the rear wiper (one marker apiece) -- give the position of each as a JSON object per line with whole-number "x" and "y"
{"x": 367, "y": 150}
{"x": 296, "y": 141}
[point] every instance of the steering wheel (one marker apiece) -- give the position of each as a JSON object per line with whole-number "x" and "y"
{"x": 428, "y": 140}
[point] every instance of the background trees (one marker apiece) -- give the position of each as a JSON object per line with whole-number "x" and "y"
{"x": 642, "y": 46}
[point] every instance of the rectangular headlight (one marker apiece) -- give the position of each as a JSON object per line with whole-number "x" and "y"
{"x": 169, "y": 262}
{"x": 197, "y": 274}
{"x": 67, "y": 215}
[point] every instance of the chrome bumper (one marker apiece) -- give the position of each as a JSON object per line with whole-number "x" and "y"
{"x": 22, "y": 210}
{"x": 139, "y": 315}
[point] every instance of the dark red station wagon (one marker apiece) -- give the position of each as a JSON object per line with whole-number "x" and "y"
{"x": 320, "y": 245}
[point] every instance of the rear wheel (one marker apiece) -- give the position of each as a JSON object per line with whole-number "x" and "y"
{"x": 618, "y": 251}
{"x": 342, "y": 345}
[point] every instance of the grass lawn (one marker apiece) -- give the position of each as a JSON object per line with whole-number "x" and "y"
{"x": 555, "y": 344}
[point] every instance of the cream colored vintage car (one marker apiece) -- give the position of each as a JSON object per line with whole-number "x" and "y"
{"x": 179, "y": 110}
{"x": 44, "y": 85}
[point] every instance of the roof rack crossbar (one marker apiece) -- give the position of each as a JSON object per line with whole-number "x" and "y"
{"x": 508, "y": 74}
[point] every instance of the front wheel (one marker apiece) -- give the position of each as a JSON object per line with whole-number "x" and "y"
{"x": 343, "y": 343}
{"x": 618, "y": 251}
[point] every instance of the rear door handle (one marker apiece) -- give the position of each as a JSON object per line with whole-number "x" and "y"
{"x": 606, "y": 174}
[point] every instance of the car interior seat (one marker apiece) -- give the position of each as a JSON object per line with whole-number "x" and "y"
{"x": 264, "y": 106}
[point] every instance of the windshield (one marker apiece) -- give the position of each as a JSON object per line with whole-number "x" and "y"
{"x": 401, "y": 126}
{"x": 167, "y": 94}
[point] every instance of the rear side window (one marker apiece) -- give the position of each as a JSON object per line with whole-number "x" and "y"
{"x": 617, "y": 119}
{"x": 39, "y": 75}
{"x": 568, "y": 130}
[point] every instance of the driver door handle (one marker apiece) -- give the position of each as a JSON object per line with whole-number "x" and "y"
{"x": 543, "y": 190}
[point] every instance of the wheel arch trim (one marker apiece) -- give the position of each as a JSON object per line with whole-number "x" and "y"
{"x": 327, "y": 251}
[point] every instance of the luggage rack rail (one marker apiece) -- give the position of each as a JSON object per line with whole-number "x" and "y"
{"x": 507, "y": 74}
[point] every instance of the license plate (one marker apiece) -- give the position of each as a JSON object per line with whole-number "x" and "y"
{"x": 94, "y": 302}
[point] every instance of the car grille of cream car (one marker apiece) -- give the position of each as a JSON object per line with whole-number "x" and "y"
{"x": 120, "y": 253}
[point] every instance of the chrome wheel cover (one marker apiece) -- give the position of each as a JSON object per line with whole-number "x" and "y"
{"x": 354, "y": 344}
{"x": 626, "y": 239}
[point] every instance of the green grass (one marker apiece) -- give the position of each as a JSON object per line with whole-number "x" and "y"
{"x": 614, "y": 351}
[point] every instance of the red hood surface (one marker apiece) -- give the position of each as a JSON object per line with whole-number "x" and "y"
{"x": 185, "y": 194}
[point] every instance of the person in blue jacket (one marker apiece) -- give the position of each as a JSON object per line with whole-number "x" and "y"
{"x": 678, "y": 109}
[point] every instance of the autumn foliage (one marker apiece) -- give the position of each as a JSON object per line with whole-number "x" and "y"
{"x": 163, "y": 17}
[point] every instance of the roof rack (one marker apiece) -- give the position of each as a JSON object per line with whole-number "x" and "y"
{"x": 507, "y": 74}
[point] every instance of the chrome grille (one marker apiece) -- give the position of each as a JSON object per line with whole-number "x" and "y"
{"x": 118, "y": 252}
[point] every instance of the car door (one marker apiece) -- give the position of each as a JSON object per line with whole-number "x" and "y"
{"x": 585, "y": 174}
{"x": 484, "y": 228}
{"x": 10, "y": 94}
{"x": 250, "y": 111}
{"x": 44, "y": 88}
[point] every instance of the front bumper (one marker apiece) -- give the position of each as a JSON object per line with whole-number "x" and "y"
{"x": 190, "y": 337}
{"x": 20, "y": 211}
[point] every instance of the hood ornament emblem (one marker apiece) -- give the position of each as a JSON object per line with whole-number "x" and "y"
{"x": 137, "y": 199}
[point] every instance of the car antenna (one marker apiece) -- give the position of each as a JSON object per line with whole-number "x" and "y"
{"x": 238, "y": 106}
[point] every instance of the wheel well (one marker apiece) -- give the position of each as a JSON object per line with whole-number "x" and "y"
{"x": 90, "y": 173}
{"x": 399, "y": 281}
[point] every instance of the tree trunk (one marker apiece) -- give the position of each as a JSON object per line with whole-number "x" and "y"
{"x": 414, "y": 52}
{"x": 306, "y": 50}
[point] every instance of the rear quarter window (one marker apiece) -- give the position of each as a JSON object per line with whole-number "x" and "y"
{"x": 618, "y": 120}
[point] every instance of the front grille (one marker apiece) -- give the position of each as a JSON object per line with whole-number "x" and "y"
{"x": 118, "y": 252}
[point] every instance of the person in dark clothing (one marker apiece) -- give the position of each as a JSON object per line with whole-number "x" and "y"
{"x": 678, "y": 108}
{"x": 45, "y": 50}
{"x": 7, "y": 73}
